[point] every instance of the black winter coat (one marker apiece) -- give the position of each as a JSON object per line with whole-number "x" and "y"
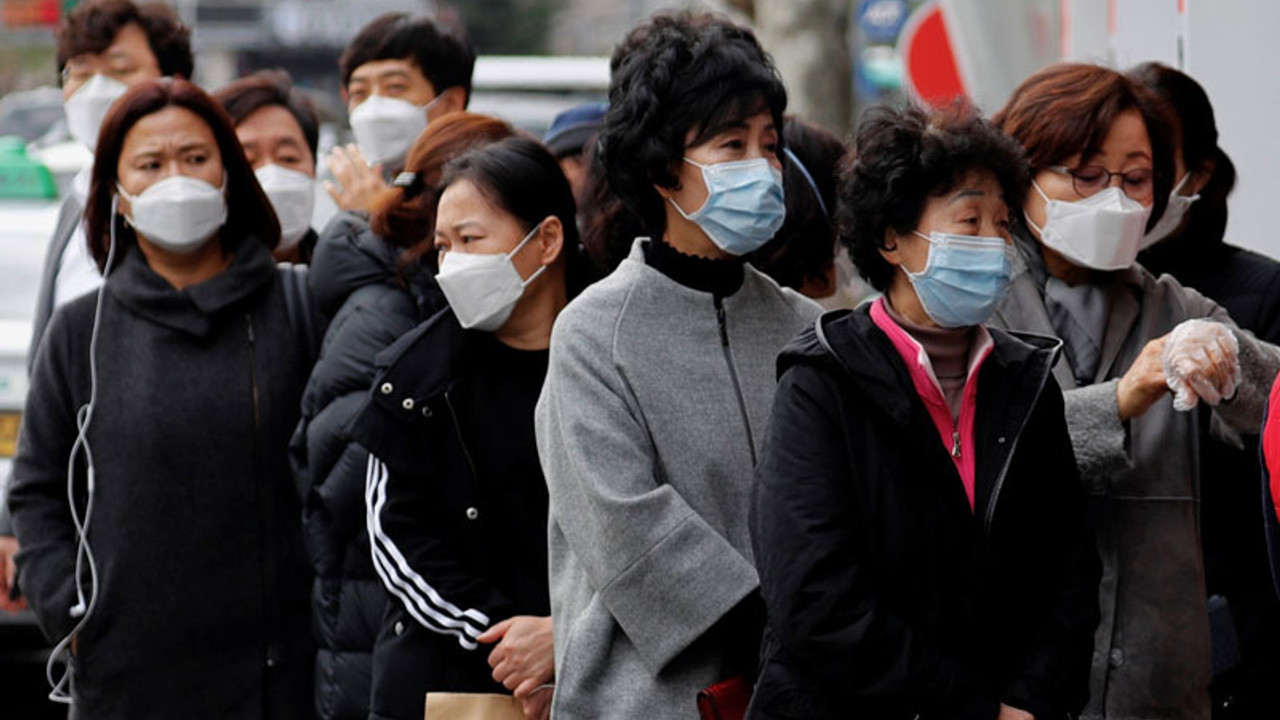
{"x": 202, "y": 604}
{"x": 354, "y": 277}
{"x": 888, "y": 597}
{"x": 461, "y": 549}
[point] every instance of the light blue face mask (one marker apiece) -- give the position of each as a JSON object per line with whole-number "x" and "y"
{"x": 963, "y": 279}
{"x": 745, "y": 204}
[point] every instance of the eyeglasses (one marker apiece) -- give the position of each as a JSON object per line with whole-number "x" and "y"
{"x": 1139, "y": 183}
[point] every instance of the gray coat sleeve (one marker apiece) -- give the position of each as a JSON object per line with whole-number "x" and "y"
{"x": 1098, "y": 436}
{"x": 664, "y": 574}
{"x": 6, "y": 520}
{"x": 1259, "y": 365}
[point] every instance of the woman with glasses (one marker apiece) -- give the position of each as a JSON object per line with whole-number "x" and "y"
{"x": 1139, "y": 353}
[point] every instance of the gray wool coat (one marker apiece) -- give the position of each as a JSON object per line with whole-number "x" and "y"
{"x": 1151, "y": 655}
{"x": 649, "y": 462}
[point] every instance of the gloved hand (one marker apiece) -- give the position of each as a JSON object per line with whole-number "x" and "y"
{"x": 1201, "y": 362}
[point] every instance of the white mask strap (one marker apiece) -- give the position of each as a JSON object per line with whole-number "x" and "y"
{"x": 511, "y": 255}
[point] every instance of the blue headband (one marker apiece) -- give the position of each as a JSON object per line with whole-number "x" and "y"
{"x": 812, "y": 183}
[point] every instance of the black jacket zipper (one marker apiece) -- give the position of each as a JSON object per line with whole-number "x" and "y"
{"x": 733, "y": 375}
{"x": 457, "y": 431}
{"x": 266, "y": 507}
{"x": 1013, "y": 448}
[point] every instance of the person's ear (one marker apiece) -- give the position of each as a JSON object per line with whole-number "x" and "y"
{"x": 1202, "y": 175}
{"x": 889, "y": 248}
{"x": 550, "y": 240}
{"x": 452, "y": 100}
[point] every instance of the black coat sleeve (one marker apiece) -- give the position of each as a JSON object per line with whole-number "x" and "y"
{"x": 38, "y": 497}
{"x": 1051, "y": 516}
{"x": 822, "y": 604}
{"x": 417, "y": 555}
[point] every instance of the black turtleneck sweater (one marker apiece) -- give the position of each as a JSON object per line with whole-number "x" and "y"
{"x": 721, "y": 278}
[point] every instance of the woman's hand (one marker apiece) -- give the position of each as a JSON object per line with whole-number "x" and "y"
{"x": 1145, "y": 382}
{"x": 537, "y": 705}
{"x": 9, "y": 573}
{"x": 360, "y": 184}
{"x": 524, "y": 657}
{"x": 1202, "y": 362}
{"x": 1012, "y": 713}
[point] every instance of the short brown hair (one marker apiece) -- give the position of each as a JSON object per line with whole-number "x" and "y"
{"x": 1068, "y": 108}
{"x": 249, "y": 212}
{"x": 405, "y": 214}
{"x": 265, "y": 88}
{"x": 92, "y": 26}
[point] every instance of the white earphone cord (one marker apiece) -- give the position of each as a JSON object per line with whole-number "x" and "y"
{"x": 83, "y": 609}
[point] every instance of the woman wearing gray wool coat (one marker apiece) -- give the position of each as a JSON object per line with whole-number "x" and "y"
{"x": 1139, "y": 352}
{"x": 660, "y": 380}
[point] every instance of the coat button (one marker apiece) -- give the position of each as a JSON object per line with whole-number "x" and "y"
{"x": 399, "y": 628}
{"x": 1000, "y": 440}
{"x": 472, "y": 513}
{"x": 426, "y": 412}
{"x": 407, "y": 404}
{"x": 1117, "y": 657}
{"x": 386, "y": 388}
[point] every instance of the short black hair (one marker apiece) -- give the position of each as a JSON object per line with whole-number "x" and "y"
{"x": 901, "y": 158}
{"x": 804, "y": 248}
{"x": 673, "y": 74}
{"x": 443, "y": 54}
{"x": 265, "y": 88}
{"x": 92, "y": 26}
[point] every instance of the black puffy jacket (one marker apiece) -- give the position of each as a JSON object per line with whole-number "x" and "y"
{"x": 355, "y": 281}
{"x": 888, "y": 597}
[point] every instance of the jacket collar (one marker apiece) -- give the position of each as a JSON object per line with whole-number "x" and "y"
{"x": 851, "y": 340}
{"x": 1024, "y": 308}
{"x": 192, "y": 309}
{"x": 421, "y": 365}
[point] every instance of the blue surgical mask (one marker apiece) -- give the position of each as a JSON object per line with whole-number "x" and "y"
{"x": 964, "y": 278}
{"x": 745, "y": 204}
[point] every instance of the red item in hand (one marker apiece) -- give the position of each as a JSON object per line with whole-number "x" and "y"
{"x": 726, "y": 700}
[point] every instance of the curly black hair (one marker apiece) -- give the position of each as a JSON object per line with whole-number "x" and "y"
{"x": 904, "y": 156}
{"x": 673, "y": 74}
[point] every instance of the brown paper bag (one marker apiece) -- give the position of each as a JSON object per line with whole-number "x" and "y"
{"x": 472, "y": 706}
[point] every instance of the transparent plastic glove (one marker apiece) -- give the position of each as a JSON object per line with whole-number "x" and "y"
{"x": 1201, "y": 362}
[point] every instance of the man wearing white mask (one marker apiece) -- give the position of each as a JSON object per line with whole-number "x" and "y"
{"x": 398, "y": 74}
{"x": 103, "y": 48}
{"x": 278, "y": 128}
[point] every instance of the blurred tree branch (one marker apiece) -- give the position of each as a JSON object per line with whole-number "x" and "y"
{"x": 808, "y": 40}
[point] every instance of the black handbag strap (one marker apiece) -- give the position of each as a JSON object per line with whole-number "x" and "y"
{"x": 300, "y": 305}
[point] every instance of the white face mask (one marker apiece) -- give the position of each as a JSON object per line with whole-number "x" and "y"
{"x": 1102, "y": 231}
{"x": 385, "y": 128}
{"x": 1171, "y": 220}
{"x": 88, "y": 106}
{"x": 483, "y": 289}
{"x": 293, "y": 196}
{"x": 178, "y": 213}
